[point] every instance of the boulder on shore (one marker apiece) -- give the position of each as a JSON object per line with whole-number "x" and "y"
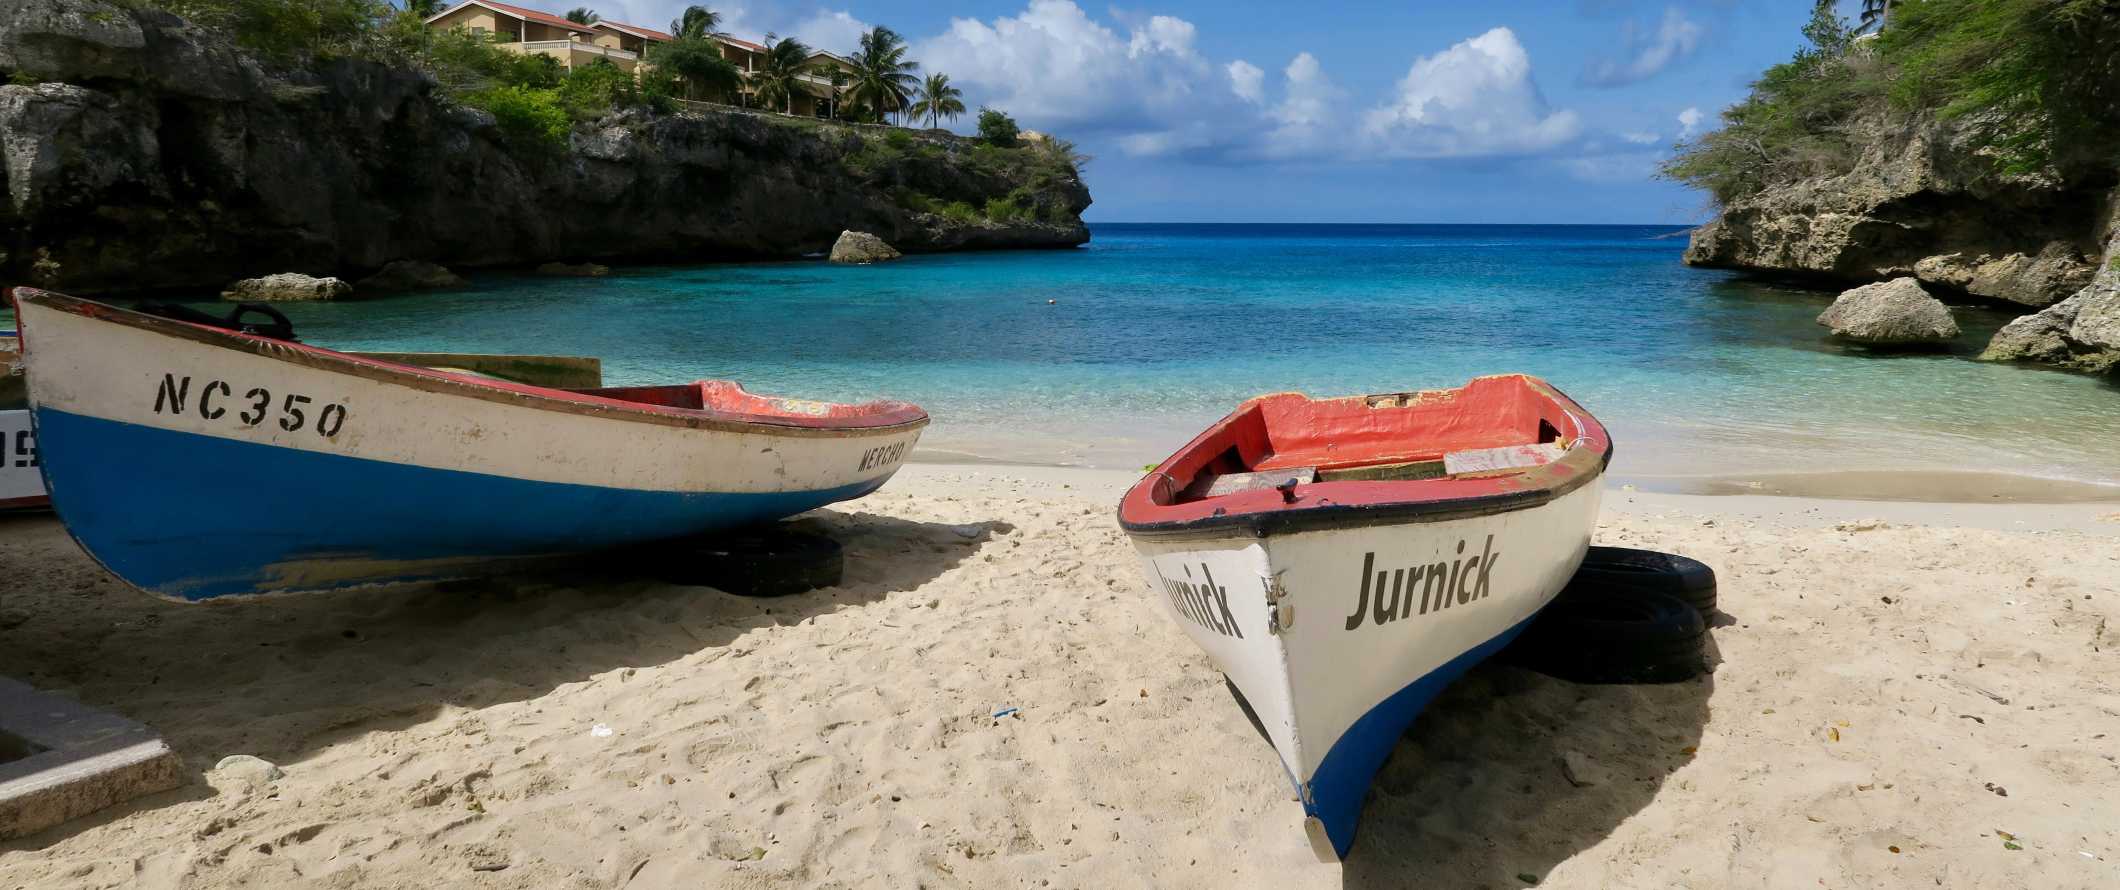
{"x": 412, "y": 275}
{"x": 2081, "y": 333}
{"x": 287, "y": 286}
{"x": 574, "y": 270}
{"x": 1896, "y": 311}
{"x": 862, "y": 247}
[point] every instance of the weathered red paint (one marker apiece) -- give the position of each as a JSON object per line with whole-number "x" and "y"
{"x": 1288, "y": 430}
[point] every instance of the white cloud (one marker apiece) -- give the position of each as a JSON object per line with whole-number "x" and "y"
{"x": 834, "y": 30}
{"x": 1247, "y": 81}
{"x": 1644, "y": 54}
{"x": 1054, "y": 67}
{"x": 1476, "y": 98}
{"x": 1688, "y": 122}
{"x": 1641, "y": 138}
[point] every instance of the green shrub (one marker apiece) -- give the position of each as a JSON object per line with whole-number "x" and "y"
{"x": 287, "y": 29}
{"x": 1007, "y": 210}
{"x": 595, "y": 89}
{"x": 528, "y": 117}
{"x": 996, "y": 128}
{"x": 898, "y": 140}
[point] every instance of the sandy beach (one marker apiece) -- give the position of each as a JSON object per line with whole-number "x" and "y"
{"x": 1906, "y": 695}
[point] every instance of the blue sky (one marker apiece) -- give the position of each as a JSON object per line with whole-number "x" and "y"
{"x": 1198, "y": 110}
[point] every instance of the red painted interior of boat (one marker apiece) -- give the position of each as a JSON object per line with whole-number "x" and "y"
{"x": 729, "y": 398}
{"x": 1291, "y": 430}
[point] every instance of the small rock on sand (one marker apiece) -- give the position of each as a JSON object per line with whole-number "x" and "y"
{"x": 1581, "y": 771}
{"x": 244, "y": 771}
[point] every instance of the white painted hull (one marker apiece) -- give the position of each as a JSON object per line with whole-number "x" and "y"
{"x": 1333, "y": 687}
{"x": 197, "y": 464}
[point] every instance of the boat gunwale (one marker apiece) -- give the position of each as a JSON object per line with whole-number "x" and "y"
{"x": 896, "y": 417}
{"x": 1579, "y": 467}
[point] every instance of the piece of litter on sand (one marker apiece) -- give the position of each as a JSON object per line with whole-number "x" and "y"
{"x": 600, "y": 731}
{"x": 1005, "y": 712}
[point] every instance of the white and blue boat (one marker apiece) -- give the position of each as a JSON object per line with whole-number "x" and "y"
{"x": 1341, "y": 561}
{"x": 196, "y": 462}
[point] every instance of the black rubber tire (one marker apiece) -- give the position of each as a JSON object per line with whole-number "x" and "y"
{"x": 767, "y": 561}
{"x": 1605, "y": 633}
{"x": 1684, "y": 577}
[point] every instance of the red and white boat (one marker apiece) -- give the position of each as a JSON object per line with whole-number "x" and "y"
{"x": 1343, "y": 560}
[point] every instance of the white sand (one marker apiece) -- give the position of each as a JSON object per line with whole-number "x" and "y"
{"x": 843, "y": 738}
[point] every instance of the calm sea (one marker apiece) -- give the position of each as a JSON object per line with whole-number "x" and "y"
{"x": 1113, "y": 354}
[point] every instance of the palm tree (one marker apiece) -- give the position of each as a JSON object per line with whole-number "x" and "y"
{"x": 883, "y": 77}
{"x": 582, "y": 15}
{"x": 425, "y": 9}
{"x": 695, "y": 23}
{"x": 938, "y": 100}
{"x": 780, "y": 74}
{"x": 699, "y": 65}
{"x": 1874, "y": 14}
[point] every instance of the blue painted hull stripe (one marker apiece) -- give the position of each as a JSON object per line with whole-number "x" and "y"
{"x": 195, "y": 517}
{"x": 1341, "y": 782}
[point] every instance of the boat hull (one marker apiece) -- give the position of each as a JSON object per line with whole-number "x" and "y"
{"x": 1339, "y": 637}
{"x": 197, "y": 464}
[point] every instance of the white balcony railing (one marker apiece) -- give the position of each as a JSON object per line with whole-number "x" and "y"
{"x": 539, "y": 46}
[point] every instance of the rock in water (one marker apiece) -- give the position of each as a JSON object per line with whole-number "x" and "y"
{"x": 862, "y": 247}
{"x": 575, "y": 270}
{"x": 1896, "y": 311}
{"x": 412, "y": 275}
{"x": 287, "y": 286}
{"x": 2080, "y": 333}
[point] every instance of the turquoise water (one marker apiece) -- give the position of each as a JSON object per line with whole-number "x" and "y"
{"x": 1158, "y": 329}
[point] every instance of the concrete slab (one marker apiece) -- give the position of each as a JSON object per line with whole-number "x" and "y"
{"x": 61, "y": 760}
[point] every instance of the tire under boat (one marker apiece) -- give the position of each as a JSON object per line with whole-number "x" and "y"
{"x": 1343, "y": 560}
{"x": 195, "y": 462}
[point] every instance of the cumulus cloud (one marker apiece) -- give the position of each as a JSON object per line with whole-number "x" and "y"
{"x": 1645, "y": 53}
{"x": 1688, "y": 122}
{"x": 1640, "y": 138}
{"x": 1247, "y": 81}
{"x": 1476, "y": 98}
{"x": 833, "y": 30}
{"x": 1055, "y": 66}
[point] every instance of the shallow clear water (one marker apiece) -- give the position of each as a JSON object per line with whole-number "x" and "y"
{"x": 1159, "y": 329}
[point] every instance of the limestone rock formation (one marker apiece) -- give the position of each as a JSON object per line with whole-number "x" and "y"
{"x": 2080, "y": 333}
{"x": 1918, "y": 202}
{"x": 287, "y": 286}
{"x": 411, "y": 275}
{"x": 139, "y": 152}
{"x": 862, "y": 247}
{"x": 1892, "y": 312}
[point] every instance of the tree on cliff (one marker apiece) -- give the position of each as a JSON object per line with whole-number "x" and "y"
{"x": 780, "y": 75}
{"x": 699, "y": 66}
{"x": 938, "y": 100}
{"x": 582, "y": 15}
{"x": 883, "y": 76}
{"x": 695, "y": 23}
{"x": 2033, "y": 86}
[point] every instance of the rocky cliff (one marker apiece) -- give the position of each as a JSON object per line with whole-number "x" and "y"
{"x": 1920, "y": 202}
{"x": 144, "y": 153}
